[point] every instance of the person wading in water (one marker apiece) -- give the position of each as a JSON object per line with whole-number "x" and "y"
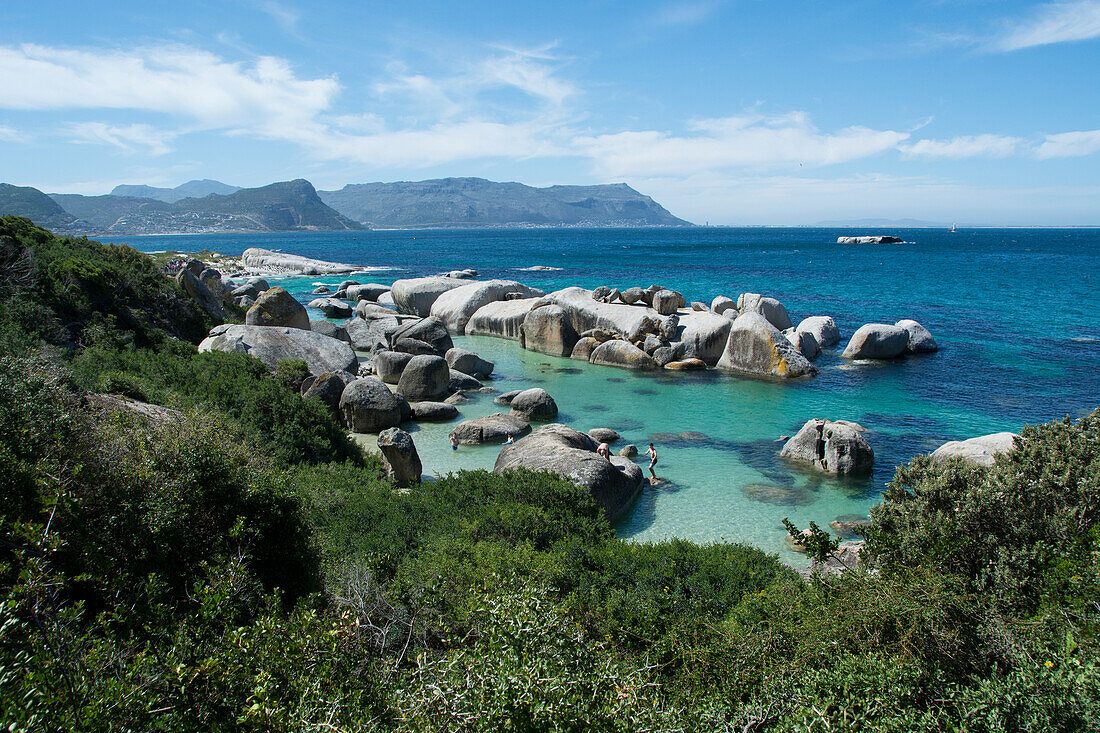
{"x": 652, "y": 453}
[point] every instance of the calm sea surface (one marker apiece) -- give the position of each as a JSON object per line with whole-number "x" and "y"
{"x": 1015, "y": 312}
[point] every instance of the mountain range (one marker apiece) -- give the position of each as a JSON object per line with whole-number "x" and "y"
{"x": 204, "y": 206}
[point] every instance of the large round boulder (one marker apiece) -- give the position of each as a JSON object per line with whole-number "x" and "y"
{"x": 582, "y": 350}
{"x": 981, "y": 451}
{"x": 330, "y": 329}
{"x": 277, "y": 307}
{"x": 329, "y": 388}
{"x": 822, "y": 328}
{"x": 770, "y": 308}
{"x": 389, "y": 365}
{"x": 370, "y": 334}
{"x": 399, "y": 457}
{"x": 572, "y": 455}
{"x": 469, "y": 363}
{"x": 367, "y": 292}
{"x": 417, "y": 295}
{"x": 604, "y": 435}
{"x": 456, "y": 307}
{"x": 630, "y": 296}
{"x": 548, "y": 330}
{"x": 415, "y": 347}
{"x": 920, "y": 338}
{"x": 368, "y": 406}
{"x": 721, "y": 304}
{"x": 507, "y": 397}
{"x": 833, "y": 447}
{"x": 429, "y": 330}
{"x": 804, "y": 341}
{"x": 621, "y": 354}
{"x": 462, "y": 382}
{"x": 877, "y": 341}
{"x": 424, "y": 378}
{"x": 757, "y": 348}
{"x": 272, "y": 344}
{"x": 534, "y": 404}
{"x": 495, "y": 428}
{"x": 704, "y": 336}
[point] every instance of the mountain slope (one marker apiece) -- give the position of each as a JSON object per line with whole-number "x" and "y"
{"x": 280, "y": 207}
{"x": 33, "y": 204}
{"x": 191, "y": 189}
{"x": 472, "y": 202}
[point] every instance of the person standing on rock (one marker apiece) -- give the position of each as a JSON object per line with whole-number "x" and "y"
{"x": 604, "y": 450}
{"x": 652, "y": 453}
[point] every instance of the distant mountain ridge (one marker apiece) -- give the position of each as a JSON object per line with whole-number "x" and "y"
{"x": 279, "y": 207}
{"x": 477, "y": 202}
{"x": 296, "y": 206}
{"x": 191, "y": 190}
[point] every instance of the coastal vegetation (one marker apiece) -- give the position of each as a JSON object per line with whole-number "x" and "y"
{"x": 229, "y": 560}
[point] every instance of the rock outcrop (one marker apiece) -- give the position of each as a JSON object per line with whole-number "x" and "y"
{"x": 704, "y": 336}
{"x": 277, "y": 307}
{"x": 493, "y": 428}
{"x": 417, "y": 295}
{"x": 804, "y": 342}
{"x": 329, "y": 388}
{"x": 667, "y": 302}
{"x": 330, "y": 329}
{"x": 770, "y": 308}
{"x": 571, "y": 454}
{"x": 534, "y": 404}
{"x": 604, "y": 435}
{"x": 399, "y": 457}
{"x": 365, "y": 292}
{"x": 368, "y": 406}
{"x": 548, "y": 330}
{"x": 982, "y": 451}
{"x": 388, "y": 365}
{"x": 757, "y": 348}
{"x": 272, "y": 344}
{"x": 469, "y": 363}
{"x": 331, "y": 307}
{"x": 433, "y": 412}
{"x": 427, "y": 330}
{"x": 721, "y": 304}
{"x": 201, "y": 294}
{"x": 834, "y": 447}
{"x": 877, "y": 341}
{"x": 503, "y": 319}
{"x": 255, "y": 258}
{"x": 456, "y": 307}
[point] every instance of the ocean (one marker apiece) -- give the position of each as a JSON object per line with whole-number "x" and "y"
{"x": 1016, "y": 313}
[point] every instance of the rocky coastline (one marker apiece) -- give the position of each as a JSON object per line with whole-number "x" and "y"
{"x": 392, "y": 360}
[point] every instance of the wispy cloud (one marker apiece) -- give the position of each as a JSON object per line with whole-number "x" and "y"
{"x": 684, "y": 13}
{"x": 743, "y": 141}
{"x": 1051, "y": 23}
{"x": 286, "y": 17}
{"x": 1069, "y": 144}
{"x": 136, "y": 138}
{"x": 11, "y": 135}
{"x": 966, "y": 146}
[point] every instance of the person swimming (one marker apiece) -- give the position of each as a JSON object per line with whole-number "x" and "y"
{"x": 454, "y": 443}
{"x": 652, "y": 453}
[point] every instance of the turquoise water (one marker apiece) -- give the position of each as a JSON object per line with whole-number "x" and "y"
{"x": 1014, "y": 312}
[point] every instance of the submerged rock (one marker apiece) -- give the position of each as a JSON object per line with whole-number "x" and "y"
{"x": 399, "y": 457}
{"x": 757, "y": 348}
{"x": 833, "y": 447}
{"x": 493, "y": 428}
{"x": 572, "y": 455}
{"x": 877, "y": 341}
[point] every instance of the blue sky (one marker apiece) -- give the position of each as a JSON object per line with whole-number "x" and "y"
{"x": 732, "y": 112}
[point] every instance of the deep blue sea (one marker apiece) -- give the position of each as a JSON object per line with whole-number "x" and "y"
{"x": 1016, "y": 313}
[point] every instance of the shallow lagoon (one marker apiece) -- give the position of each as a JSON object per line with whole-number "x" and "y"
{"x": 1014, "y": 311}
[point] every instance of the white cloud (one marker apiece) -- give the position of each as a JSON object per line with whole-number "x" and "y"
{"x": 129, "y": 138}
{"x": 527, "y": 72}
{"x": 10, "y": 135}
{"x": 174, "y": 80}
{"x": 744, "y": 141}
{"x": 1052, "y": 23}
{"x": 281, "y": 14}
{"x": 966, "y": 146}
{"x": 1069, "y": 144}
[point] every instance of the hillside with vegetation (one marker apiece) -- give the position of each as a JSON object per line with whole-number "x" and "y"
{"x": 188, "y": 544}
{"x": 476, "y": 202}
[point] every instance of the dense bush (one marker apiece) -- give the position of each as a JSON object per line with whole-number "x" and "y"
{"x": 73, "y": 291}
{"x": 272, "y": 416}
